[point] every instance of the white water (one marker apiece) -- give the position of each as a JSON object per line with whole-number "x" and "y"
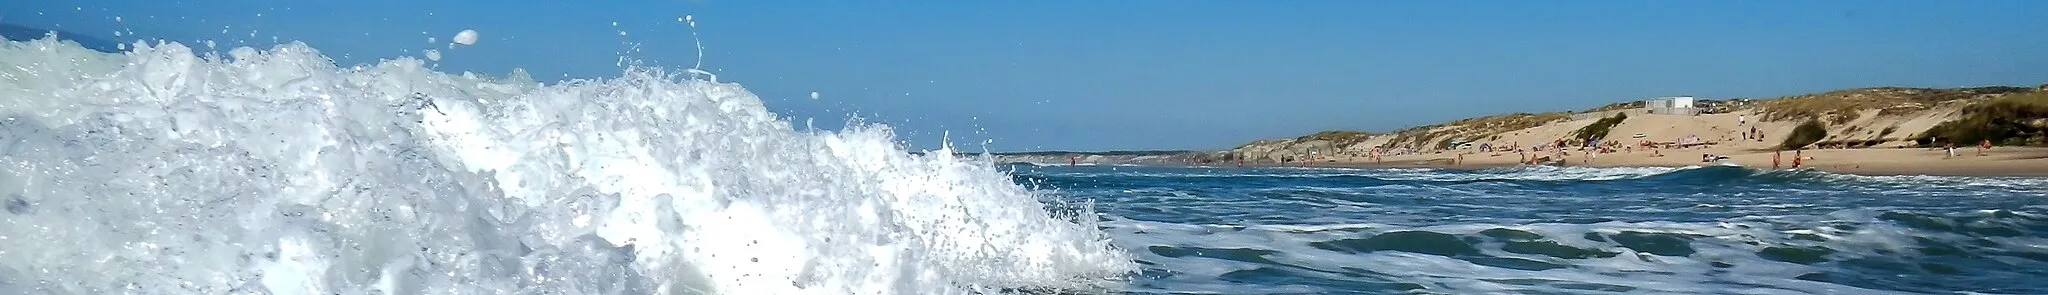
{"x": 161, "y": 171}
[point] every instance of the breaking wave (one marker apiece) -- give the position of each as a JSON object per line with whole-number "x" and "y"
{"x": 164, "y": 171}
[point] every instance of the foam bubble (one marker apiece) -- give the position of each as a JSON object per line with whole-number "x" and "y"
{"x": 465, "y": 37}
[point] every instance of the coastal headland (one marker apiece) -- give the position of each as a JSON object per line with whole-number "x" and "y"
{"x": 1869, "y": 131}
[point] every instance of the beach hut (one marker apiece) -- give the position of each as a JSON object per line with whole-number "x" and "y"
{"x": 1673, "y": 105}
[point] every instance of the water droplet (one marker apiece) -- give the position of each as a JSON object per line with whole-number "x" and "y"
{"x": 465, "y": 37}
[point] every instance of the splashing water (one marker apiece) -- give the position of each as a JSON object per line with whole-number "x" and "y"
{"x": 163, "y": 171}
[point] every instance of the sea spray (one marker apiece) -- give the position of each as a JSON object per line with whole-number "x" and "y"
{"x": 165, "y": 171}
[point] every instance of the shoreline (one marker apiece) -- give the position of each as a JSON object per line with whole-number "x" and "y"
{"x": 1998, "y": 162}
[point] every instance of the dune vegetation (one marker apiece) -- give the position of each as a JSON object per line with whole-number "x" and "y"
{"x": 1473, "y": 128}
{"x": 1806, "y": 134}
{"x": 1599, "y": 129}
{"x": 1843, "y": 106}
{"x": 2020, "y": 119}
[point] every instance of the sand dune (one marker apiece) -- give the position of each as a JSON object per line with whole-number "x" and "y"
{"x": 1880, "y": 139}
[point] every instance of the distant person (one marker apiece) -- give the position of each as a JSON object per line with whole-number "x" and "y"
{"x": 1983, "y": 146}
{"x": 1741, "y": 120}
{"x": 1796, "y": 158}
{"x": 1775, "y": 158}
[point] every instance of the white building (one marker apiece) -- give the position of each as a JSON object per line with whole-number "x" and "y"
{"x": 1675, "y": 105}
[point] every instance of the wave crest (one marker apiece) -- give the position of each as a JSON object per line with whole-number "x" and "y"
{"x": 161, "y": 170}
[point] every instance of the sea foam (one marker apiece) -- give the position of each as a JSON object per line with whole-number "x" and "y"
{"x": 162, "y": 170}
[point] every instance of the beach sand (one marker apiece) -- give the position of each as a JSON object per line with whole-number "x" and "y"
{"x": 1726, "y": 131}
{"x": 1999, "y": 161}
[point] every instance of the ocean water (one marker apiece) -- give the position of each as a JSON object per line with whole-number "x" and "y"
{"x": 276, "y": 171}
{"x": 1549, "y": 230}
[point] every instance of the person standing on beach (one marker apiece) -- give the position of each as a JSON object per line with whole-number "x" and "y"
{"x": 1983, "y": 146}
{"x": 1796, "y": 158}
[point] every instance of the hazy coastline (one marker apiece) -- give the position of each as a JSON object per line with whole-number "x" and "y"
{"x": 1868, "y": 131}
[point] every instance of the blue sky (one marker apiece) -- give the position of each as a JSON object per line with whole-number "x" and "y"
{"x": 1123, "y": 75}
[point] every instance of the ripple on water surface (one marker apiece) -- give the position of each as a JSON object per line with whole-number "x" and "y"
{"x": 1566, "y": 230}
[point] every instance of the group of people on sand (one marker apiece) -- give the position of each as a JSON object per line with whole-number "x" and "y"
{"x": 1950, "y": 148}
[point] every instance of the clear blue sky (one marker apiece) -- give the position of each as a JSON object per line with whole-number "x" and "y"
{"x": 1083, "y": 75}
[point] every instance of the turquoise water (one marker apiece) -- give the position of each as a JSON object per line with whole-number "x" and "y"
{"x": 1719, "y": 230}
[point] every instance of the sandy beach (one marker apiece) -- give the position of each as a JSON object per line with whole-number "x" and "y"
{"x": 1724, "y": 134}
{"x": 1999, "y": 161}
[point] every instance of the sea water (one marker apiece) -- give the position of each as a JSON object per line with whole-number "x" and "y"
{"x": 1551, "y": 230}
{"x": 275, "y": 171}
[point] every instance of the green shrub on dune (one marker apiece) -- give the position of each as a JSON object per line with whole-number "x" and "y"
{"x": 2018, "y": 119}
{"x": 1599, "y": 129}
{"x": 1806, "y": 134}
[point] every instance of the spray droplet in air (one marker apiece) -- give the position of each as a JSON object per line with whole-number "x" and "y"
{"x": 466, "y": 37}
{"x": 433, "y": 55}
{"x": 431, "y": 40}
{"x": 814, "y": 95}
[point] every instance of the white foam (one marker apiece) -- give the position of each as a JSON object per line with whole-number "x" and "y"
{"x": 161, "y": 171}
{"x": 1692, "y": 274}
